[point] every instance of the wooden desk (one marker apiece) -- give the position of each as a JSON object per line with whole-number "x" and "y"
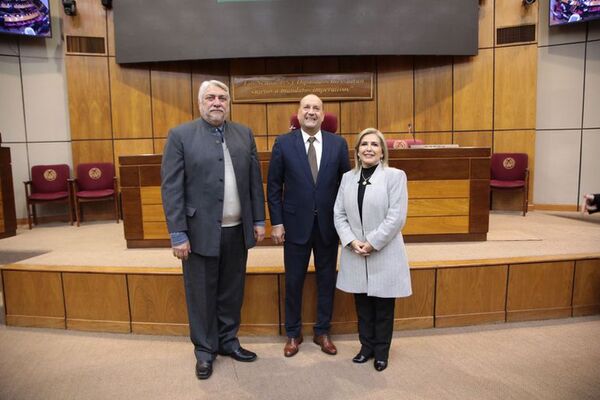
{"x": 448, "y": 195}
{"x": 8, "y": 216}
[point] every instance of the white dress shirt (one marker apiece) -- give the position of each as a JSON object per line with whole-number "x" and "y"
{"x": 318, "y": 144}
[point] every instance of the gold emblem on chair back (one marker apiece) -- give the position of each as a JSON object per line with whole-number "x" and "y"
{"x": 50, "y": 175}
{"x": 95, "y": 173}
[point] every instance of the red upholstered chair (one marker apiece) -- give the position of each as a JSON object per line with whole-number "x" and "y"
{"x": 401, "y": 143}
{"x": 95, "y": 182}
{"x": 510, "y": 172}
{"x": 48, "y": 184}
{"x": 330, "y": 123}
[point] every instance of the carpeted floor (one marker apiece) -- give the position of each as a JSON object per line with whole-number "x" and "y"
{"x": 536, "y": 360}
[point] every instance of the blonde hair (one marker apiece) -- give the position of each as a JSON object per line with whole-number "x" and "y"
{"x": 382, "y": 143}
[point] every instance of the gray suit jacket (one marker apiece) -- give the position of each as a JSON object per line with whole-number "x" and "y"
{"x": 192, "y": 172}
{"x": 384, "y": 273}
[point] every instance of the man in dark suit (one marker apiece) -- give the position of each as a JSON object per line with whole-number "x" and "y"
{"x": 305, "y": 171}
{"x": 213, "y": 199}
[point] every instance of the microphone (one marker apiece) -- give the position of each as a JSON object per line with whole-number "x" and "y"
{"x": 411, "y": 132}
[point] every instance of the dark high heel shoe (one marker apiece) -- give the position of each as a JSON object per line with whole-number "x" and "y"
{"x": 380, "y": 365}
{"x": 360, "y": 358}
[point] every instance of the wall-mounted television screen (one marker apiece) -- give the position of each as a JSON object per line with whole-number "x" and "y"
{"x": 25, "y": 17}
{"x": 159, "y": 30}
{"x": 572, "y": 11}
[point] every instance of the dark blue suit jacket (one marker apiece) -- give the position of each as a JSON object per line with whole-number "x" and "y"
{"x": 292, "y": 195}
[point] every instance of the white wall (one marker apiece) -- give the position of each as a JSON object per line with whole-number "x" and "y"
{"x": 567, "y": 162}
{"x": 34, "y": 118}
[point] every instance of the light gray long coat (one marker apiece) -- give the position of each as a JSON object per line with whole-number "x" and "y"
{"x": 385, "y": 272}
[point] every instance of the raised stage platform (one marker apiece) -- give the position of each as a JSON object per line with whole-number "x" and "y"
{"x": 544, "y": 265}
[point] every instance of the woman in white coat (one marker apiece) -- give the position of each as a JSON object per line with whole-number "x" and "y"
{"x": 370, "y": 211}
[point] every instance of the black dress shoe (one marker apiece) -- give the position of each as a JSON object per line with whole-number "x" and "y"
{"x": 360, "y": 358}
{"x": 243, "y": 355}
{"x": 380, "y": 365}
{"x": 203, "y": 369}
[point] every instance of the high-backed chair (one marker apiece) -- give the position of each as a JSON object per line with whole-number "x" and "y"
{"x": 330, "y": 122}
{"x": 48, "y": 184}
{"x": 95, "y": 182}
{"x": 509, "y": 172}
{"x": 401, "y": 143}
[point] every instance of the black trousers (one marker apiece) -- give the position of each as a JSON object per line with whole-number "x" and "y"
{"x": 214, "y": 290}
{"x": 375, "y": 325}
{"x": 296, "y": 259}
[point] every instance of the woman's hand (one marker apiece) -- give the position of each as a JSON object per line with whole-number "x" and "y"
{"x": 361, "y": 248}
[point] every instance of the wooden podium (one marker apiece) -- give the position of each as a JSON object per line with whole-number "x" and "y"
{"x": 8, "y": 217}
{"x": 448, "y": 190}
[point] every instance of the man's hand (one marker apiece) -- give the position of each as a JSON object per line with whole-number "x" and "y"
{"x": 278, "y": 233}
{"x": 259, "y": 233}
{"x": 182, "y": 251}
{"x": 587, "y": 205}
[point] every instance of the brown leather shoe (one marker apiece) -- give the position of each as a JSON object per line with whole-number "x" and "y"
{"x": 326, "y": 344}
{"x": 292, "y": 346}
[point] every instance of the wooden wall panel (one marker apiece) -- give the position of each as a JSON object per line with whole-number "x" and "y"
{"x": 260, "y": 310}
{"x": 131, "y": 147}
{"x": 357, "y": 115}
{"x": 479, "y": 213}
{"x": 320, "y": 65}
{"x": 92, "y": 151}
{"x": 132, "y": 213}
{"x": 586, "y": 290}
{"x": 427, "y": 207}
{"x": 513, "y": 12}
{"x": 151, "y": 195}
{"x": 417, "y": 310}
{"x": 433, "y": 94}
{"x": 539, "y": 290}
{"x": 110, "y": 32}
{"x": 33, "y": 299}
{"x": 262, "y": 143}
{"x": 171, "y": 96}
{"x": 89, "y": 104}
{"x": 435, "y": 137}
{"x": 473, "y": 139}
{"x": 436, "y": 225}
{"x": 204, "y": 70}
{"x": 252, "y": 115}
{"x": 159, "y": 145}
{"x": 394, "y": 93}
{"x": 344, "y": 313}
{"x": 278, "y": 117}
{"x": 486, "y": 23}
{"x": 283, "y": 65}
{"x": 96, "y": 302}
{"x": 438, "y": 189}
{"x": 473, "y": 91}
{"x": 89, "y": 21}
{"x": 468, "y": 296}
{"x": 515, "y": 87}
{"x": 158, "y": 304}
{"x": 130, "y": 101}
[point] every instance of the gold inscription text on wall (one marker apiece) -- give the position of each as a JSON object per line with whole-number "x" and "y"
{"x": 291, "y": 88}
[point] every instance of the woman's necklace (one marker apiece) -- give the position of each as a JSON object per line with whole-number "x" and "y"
{"x": 365, "y": 181}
